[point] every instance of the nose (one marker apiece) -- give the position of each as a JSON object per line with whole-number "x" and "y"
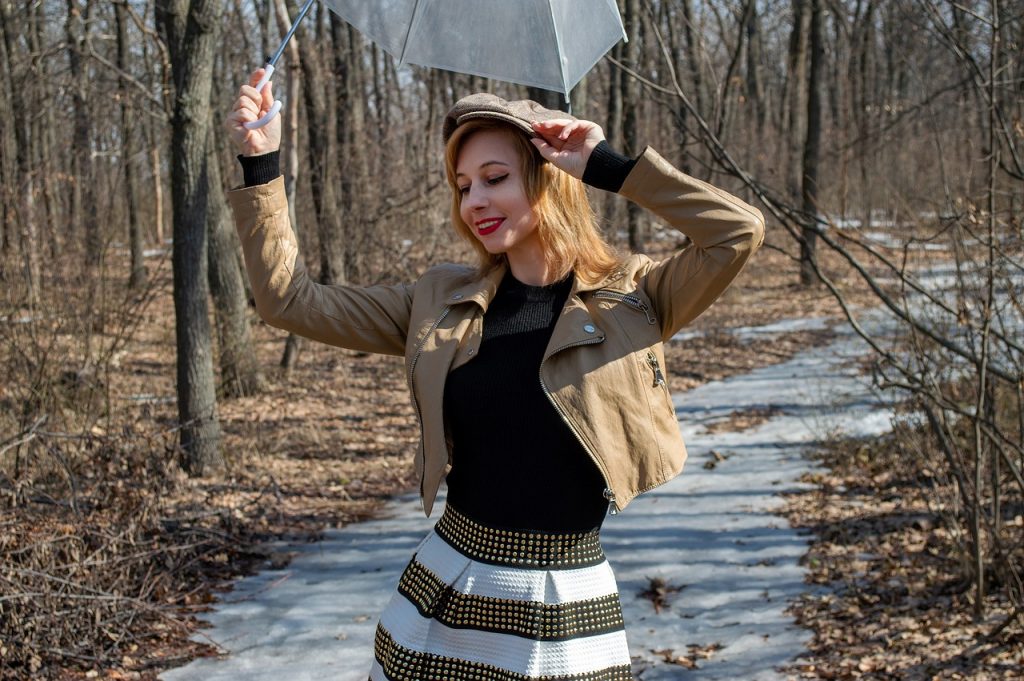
{"x": 476, "y": 197}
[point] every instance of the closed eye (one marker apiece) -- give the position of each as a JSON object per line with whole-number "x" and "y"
{"x": 493, "y": 181}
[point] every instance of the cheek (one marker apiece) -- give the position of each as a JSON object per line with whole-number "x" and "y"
{"x": 528, "y": 218}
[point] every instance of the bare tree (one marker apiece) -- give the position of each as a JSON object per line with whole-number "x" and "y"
{"x": 138, "y": 267}
{"x": 240, "y": 372}
{"x": 83, "y": 193}
{"x": 812, "y": 146}
{"x": 191, "y": 28}
{"x": 23, "y": 181}
{"x": 321, "y": 118}
{"x": 631, "y": 114}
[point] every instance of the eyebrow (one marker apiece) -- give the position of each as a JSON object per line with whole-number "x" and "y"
{"x": 484, "y": 165}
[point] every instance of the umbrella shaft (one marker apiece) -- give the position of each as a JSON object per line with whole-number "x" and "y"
{"x": 272, "y": 61}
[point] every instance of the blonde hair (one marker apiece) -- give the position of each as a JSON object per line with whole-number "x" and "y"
{"x": 567, "y": 226}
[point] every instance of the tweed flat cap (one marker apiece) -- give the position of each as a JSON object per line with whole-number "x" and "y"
{"x": 522, "y": 113}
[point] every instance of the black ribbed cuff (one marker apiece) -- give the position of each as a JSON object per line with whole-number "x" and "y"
{"x": 606, "y": 168}
{"x": 260, "y": 169}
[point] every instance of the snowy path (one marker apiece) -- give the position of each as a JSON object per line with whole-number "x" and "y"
{"x": 710, "y": 531}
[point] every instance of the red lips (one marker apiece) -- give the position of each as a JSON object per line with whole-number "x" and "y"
{"x": 488, "y": 225}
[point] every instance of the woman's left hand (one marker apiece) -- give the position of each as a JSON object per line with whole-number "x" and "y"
{"x": 567, "y": 143}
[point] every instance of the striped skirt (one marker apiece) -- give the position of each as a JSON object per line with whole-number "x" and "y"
{"x": 481, "y": 603}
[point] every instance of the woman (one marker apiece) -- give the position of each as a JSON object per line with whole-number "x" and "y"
{"x": 536, "y": 376}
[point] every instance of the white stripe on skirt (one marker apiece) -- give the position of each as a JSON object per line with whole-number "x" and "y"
{"x": 514, "y": 653}
{"x": 544, "y": 586}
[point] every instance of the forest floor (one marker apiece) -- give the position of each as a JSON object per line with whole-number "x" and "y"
{"x": 889, "y": 604}
{"x": 325, "y": 446}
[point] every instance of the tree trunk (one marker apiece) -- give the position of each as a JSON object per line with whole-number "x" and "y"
{"x": 138, "y": 266}
{"x": 153, "y": 143}
{"x": 24, "y": 184}
{"x": 191, "y": 29}
{"x": 692, "y": 56}
{"x": 866, "y": 79}
{"x": 8, "y": 173}
{"x": 793, "y": 105}
{"x": 812, "y": 148}
{"x": 239, "y": 369}
{"x": 578, "y": 98}
{"x": 83, "y": 178}
{"x": 45, "y": 129}
{"x": 321, "y": 141}
{"x": 9, "y": 220}
{"x": 630, "y": 114}
{"x": 611, "y": 205}
{"x": 755, "y": 85}
{"x": 290, "y": 145}
{"x": 350, "y": 133}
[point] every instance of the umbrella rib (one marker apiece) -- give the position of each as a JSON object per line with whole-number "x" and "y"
{"x": 412, "y": 25}
{"x": 561, "y": 53}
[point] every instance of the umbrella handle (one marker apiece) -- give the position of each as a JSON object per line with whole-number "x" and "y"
{"x": 268, "y": 71}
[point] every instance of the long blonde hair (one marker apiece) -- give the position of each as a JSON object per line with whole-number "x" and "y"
{"x": 567, "y": 226}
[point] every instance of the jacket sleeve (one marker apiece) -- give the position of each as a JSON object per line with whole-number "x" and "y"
{"x": 370, "y": 319}
{"x": 723, "y": 230}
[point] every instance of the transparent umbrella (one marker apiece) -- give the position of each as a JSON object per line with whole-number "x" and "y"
{"x": 550, "y": 44}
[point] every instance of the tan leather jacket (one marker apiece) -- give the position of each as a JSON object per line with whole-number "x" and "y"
{"x": 603, "y": 368}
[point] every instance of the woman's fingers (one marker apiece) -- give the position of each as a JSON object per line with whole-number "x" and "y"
{"x": 243, "y": 115}
{"x": 551, "y": 129}
{"x": 568, "y": 133}
{"x": 245, "y": 103}
{"x": 260, "y": 100}
{"x": 545, "y": 149}
{"x": 249, "y": 107}
{"x": 570, "y": 129}
{"x": 255, "y": 77}
{"x": 567, "y": 143}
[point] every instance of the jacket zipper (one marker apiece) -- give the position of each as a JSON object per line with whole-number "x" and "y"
{"x": 652, "y": 361}
{"x": 608, "y": 493}
{"x": 632, "y": 301}
{"x": 412, "y": 389}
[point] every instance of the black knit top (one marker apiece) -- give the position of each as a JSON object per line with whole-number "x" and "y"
{"x": 515, "y": 463}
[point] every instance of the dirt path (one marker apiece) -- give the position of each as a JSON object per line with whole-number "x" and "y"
{"x": 724, "y": 566}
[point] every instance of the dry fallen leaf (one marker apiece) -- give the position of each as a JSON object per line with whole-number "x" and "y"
{"x": 657, "y": 590}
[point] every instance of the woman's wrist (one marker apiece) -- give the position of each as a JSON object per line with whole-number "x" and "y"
{"x": 606, "y": 168}
{"x": 260, "y": 169}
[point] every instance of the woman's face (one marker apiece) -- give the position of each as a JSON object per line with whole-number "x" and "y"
{"x": 494, "y": 202}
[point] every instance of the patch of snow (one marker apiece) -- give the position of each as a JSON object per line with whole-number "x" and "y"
{"x": 755, "y": 332}
{"x": 712, "y": 532}
{"x": 147, "y": 398}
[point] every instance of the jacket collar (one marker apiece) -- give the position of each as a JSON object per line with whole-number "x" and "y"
{"x": 481, "y": 290}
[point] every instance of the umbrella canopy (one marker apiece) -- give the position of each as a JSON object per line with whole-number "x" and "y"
{"x": 549, "y": 44}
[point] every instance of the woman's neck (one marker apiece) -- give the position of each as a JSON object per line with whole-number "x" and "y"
{"x": 531, "y": 271}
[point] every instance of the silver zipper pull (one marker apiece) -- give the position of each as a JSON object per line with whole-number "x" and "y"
{"x": 610, "y": 496}
{"x": 647, "y": 312}
{"x": 652, "y": 360}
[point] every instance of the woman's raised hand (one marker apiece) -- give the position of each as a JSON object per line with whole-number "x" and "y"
{"x": 567, "y": 143}
{"x": 250, "y": 106}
